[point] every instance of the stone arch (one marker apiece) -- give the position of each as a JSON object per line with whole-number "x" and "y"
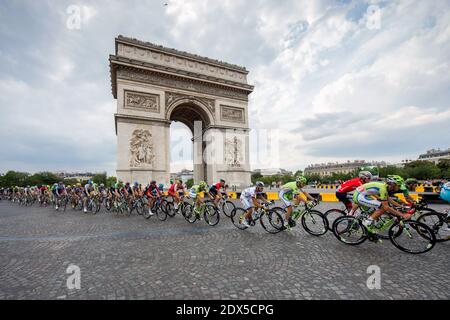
{"x": 189, "y": 109}
{"x": 155, "y": 85}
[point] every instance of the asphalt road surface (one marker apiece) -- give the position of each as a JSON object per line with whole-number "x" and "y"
{"x": 133, "y": 258}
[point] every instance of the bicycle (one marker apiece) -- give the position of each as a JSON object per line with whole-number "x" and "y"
{"x": 351, "y": 231}
{"x": 209, "y": 212}
{"x": 158, "y": 207}
{"x": 313, "y": 221}
{"x": 93, "y": 204}
{"x": 61, "y": 202}
{"x": 225, "y": 205}
{"x": 274, "y": 223}
{"x": 439, "y": 223}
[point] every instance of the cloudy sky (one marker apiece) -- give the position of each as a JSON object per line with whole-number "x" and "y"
{"x": 339, "y": 79}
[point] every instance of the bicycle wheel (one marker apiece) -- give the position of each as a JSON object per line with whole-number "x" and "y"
{"x": 170, "y": 209}
{"x": 415, "y": 237}
{"x": 211, "y": 214}
{"x": 237, "y": 217}
{"x": 160, "y": 213}
{"x": 332, "y": 215}
{"x": 314, "y": 223}
{"x": 272, "y": 221}
{"x": 439, "y": 223}
{"x": 64, "y": 204}
{"x": 349, "y": 230}
{"x": 146, "y": 212}
{"x": 139, "y": 208}
{"x": 189, "y": 214}
{"x": 227, "y": 208}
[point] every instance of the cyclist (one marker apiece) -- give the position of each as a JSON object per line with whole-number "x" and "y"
{"x": 151, "y": 192}
{"x": 89, "y": 190}
{"x": 249, "y": 199}
{"x": 404, "y": 189}
{"x": 214, "y": 191}
{"x": 445, "y": 192}
{"x": 194, "y": 193}
{"x": 176, "y": 190}
{"x": 376, "y": 195}
{"x": 291, "y": 191}
{"x": 60, "y": 190}
{"x": 350, "y": 186}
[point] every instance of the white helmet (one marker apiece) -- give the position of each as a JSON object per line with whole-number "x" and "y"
{"x": 365, "y": 174}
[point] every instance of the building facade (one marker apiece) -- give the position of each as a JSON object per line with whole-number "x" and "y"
{"x": 327, "y": 169}
{"x": 435, "y": 155}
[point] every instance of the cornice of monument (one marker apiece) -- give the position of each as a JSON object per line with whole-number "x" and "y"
{"x": 149, "y": 69}
{"x": 184, "y": 54}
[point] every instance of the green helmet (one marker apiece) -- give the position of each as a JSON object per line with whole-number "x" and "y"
{"x": 395, "y": 179}
{"x": 301, "y": 179}
{"x": 411, "y": 181}
{"x": 202, "y": 185}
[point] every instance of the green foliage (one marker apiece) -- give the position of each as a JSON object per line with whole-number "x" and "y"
{"x": 421, "y": 170}
{"x": 100, "y": 178}
{"x": 110, "y": 181}
{"x": 190, "y": 183}
{"x": 256, "y": 177}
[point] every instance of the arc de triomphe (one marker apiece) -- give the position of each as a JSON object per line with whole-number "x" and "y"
{"x": 155, "y": 85}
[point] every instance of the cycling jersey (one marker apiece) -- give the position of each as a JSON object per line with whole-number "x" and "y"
{"x": 60, "y": 189}
{"x": 174, "y": 188}
{"x": 151, "y": 190}
{"x": 214, "y": 189}
{"x": 445, "y": 192}
{"x": 350, "y": 185}
{"x": 363, "y": 194}
{"x": 194, "y": 191}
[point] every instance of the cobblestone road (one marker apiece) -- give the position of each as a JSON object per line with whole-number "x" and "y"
{"x": 134, "y": 258}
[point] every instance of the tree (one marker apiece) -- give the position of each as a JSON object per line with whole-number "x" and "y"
{"x": 256, "y": 177}
{"x": 298, "y": 173}
{"x": 422, "y": 170}
{"x": 43, "y": 178}
{"x": 189, "y": 183}
{"x": 110, "y": 181}
{"x": 100, "y": 178}
{"x": 15, "y": 178}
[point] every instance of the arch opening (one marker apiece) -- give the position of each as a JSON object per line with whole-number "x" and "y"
{"x": 187, "y": 150}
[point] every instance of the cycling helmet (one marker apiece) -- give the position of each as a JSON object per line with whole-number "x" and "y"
{"x": 301, "y": 179}
{"x": 136, "y": 183}
{"x": 102, "y": 185}
{"x": 260, "y": 184}
{"x": 446, "y": 186}
{"x": 202, "y": 185}
{"x": 365, "y": 174}
{"x": 90, "y": 182}
{"x": 411, "y": 181}
{"x": 395, "y": 179}
{"x": 160, "y": 186}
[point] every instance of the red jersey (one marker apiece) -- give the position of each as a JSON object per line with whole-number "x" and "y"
{"x": 350, "y": 185}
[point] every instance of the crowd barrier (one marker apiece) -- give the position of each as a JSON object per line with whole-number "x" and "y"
{"x": 331, "y": 197}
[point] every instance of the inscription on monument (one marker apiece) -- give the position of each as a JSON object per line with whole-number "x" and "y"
{"x": 232, "y": 114}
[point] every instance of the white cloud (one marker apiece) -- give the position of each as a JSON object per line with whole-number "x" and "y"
{"x": 320, "y": 77}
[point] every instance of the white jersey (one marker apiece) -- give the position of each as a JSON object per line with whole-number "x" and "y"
{"x": 249, "y": 193}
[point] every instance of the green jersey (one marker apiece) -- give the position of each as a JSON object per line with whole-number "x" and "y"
{"x": 378, "y": 189}
{"x": 290, "y": 189}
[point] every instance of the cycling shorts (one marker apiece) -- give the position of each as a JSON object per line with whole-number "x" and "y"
{"x": 367, "y": 201}
{"x": 246, "y": 202}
